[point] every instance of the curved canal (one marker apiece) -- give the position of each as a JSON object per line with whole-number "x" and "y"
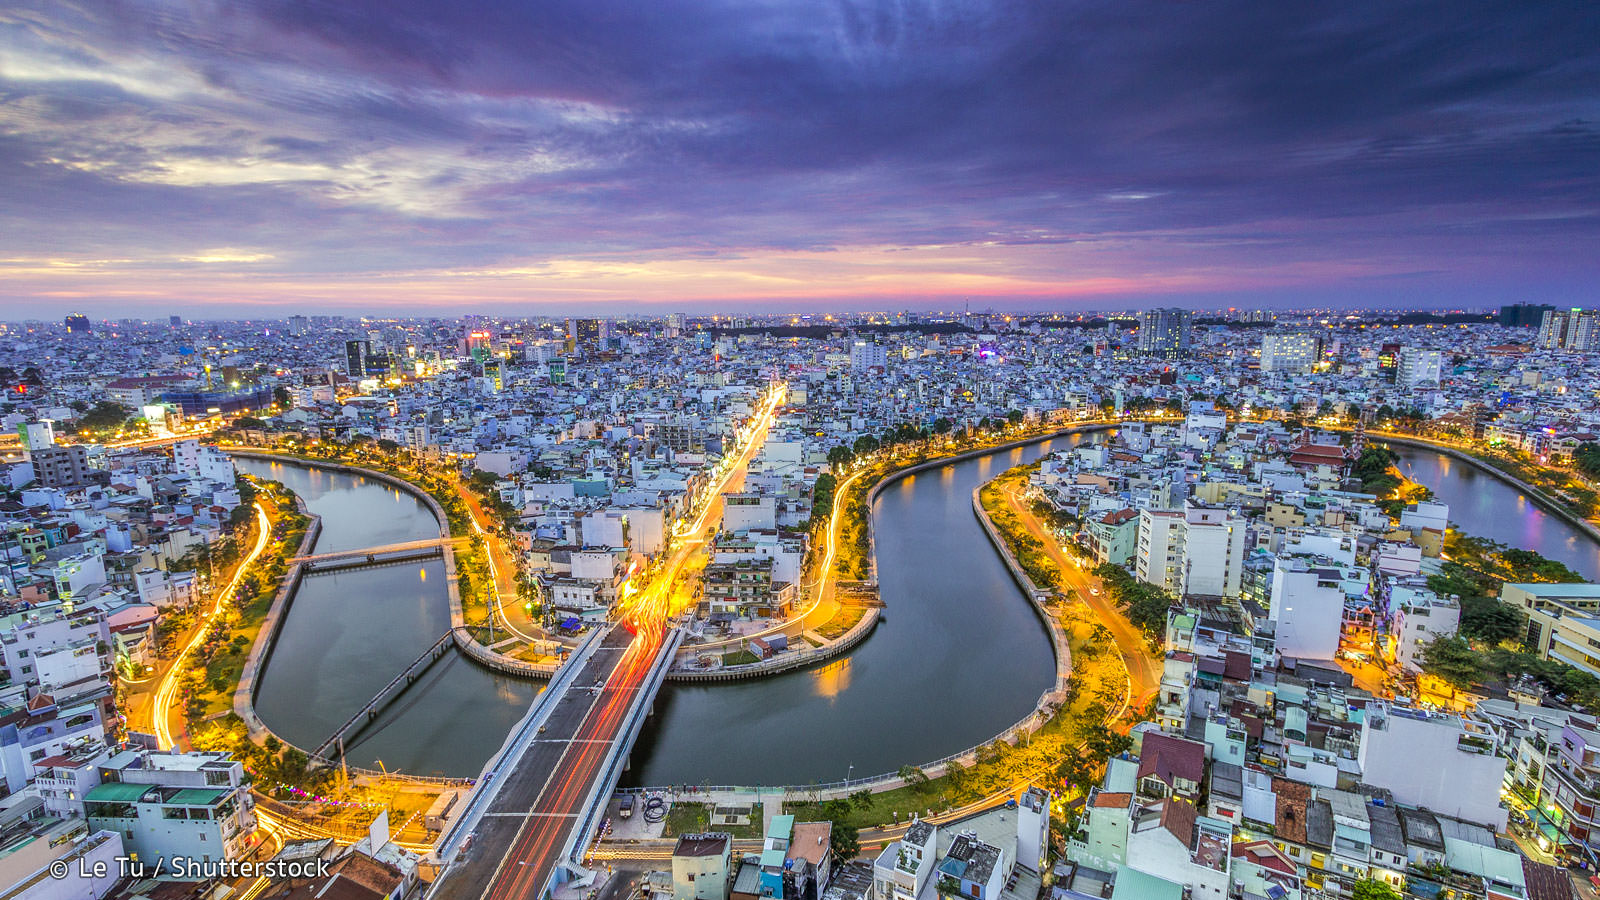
{"x": 1484, "y": 506}
{"x": 958, "y": 657}
{"x": 348, "y": 633}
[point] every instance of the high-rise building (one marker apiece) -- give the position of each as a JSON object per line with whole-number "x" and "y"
{"x": 60, "y": 466}
{"x": 1388, "y": 359}
{"x": 355, "y": 358}
{"x": 867, "y": 355}
{"x": 1418, "y": 367}
{"x": 1165, "y": 333}
{"x": 1289, "y": 351}
{"x": 77, "y": 323}
{"x": 1574, "y": 329}
{"x": 298, "y": 324}
{"x": 1196, "y": 550}
{"x": 175, "y": 321}
{"x": 586, "y": 333}
{"x": 1523, "y": 315}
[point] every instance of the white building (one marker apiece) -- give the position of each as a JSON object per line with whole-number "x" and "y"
{"x": 1289, "y": 351}
{"x": 1570, "y": 330}
{"x": 744, "y": 512}
{"x": 35, "y": 845}
{"x": 868, "y": 355}
{"x": 163, "y": 589}
{"x": 1307, "y": 603}
{"x": 1418, "y": 367}
{"x": 1420, "y": 617}
{"x": 1196, "y": 550}
{"x": 166, "y": 805}
{"x": 701, "y": 866}
{"x": 1425, "y": 514}
{"x": 905, "y": 866}
{"x": 1435, "y": 760}
{"x": 76, "y": 574}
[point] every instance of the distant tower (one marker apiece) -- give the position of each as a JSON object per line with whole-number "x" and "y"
{"x": 1358, "y": 438}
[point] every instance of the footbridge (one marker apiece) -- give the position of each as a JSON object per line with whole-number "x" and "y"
{"x": 541, "y": 797}
{"x": 332, "y": 749}
{"x": 387, "y": 554}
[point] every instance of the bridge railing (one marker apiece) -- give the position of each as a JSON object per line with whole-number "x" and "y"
{"x": 428, "y": 657}
{"x": 601, "y": 791}
{"x": 497, "y": 769}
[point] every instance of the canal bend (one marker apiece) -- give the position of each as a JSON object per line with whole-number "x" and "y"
{"x": 958, "y": 657}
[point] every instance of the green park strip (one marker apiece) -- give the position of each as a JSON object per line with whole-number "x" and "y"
{"x": 212, "y": 672}
{"x": 1028, "y": 550}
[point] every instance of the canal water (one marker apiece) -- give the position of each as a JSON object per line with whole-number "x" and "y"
{"x": 349, "y": 633}
{"x": 1484, "y": 506}
{"x": 958, "y": 657}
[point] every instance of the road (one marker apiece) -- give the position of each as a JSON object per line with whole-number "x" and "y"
{"x": 518, "y": 843}
{"x": 658, "y": 602}
{"x": 517, "y": 847}
{"x": 161, "y": 709}
{"x": 502, "y": 567}
{"x": 1144, "y": 668}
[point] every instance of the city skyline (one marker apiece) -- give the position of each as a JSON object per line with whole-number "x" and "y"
{"x": 259, "y": 161}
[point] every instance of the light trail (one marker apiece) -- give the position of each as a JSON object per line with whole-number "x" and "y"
{"x": 650, "y": 608}
{"x": 161, "y": 707}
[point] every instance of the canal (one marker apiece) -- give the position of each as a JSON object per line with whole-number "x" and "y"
{"x": 348, "y": 633}
{"x": 957, "y": 658}
{"x": 1484, "y": 506}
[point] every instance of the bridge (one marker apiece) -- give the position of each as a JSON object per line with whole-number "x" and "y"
{"x": 385, "y": 696}
{"x": 386, "y": 554}
{"x": 541, "y": 798}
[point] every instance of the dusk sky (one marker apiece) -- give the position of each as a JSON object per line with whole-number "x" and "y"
{"x": 240, "y": 158}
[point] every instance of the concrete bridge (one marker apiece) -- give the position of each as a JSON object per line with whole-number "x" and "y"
{"x": 540, "y": 799}
{"x": 386, "y": 554}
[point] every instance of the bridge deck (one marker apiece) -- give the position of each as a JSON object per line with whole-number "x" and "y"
{"x": 517, "y": 845}
{"x": 362, "y": 552}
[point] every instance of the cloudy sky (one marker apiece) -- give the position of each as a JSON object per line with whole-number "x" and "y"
{"x": 259, "y": 158}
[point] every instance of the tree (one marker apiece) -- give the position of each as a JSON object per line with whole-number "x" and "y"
{"x": 1587, "y": 459}
{"x": 1452, "y": 660}
{"x": 913, "y": 776}
{"x": 1373, "y": 889}
{"x": 280, "y": 396}
{"x": 822, "y": 497}
{"x": 1014, "y": 416}
{"x": 845, "y": 839}
{"x": 943, "y": 425}
{"x": 865, "y": 444}
{"x": 1489, "y": 620}
{"x": 839, "y": 455}
{"x": 104, "y": 415}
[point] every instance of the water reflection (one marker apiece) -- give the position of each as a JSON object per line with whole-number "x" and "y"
{"x": 832, "y": 679}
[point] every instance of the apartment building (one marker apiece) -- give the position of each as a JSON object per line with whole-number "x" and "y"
{"x": 1196, "y": 550}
